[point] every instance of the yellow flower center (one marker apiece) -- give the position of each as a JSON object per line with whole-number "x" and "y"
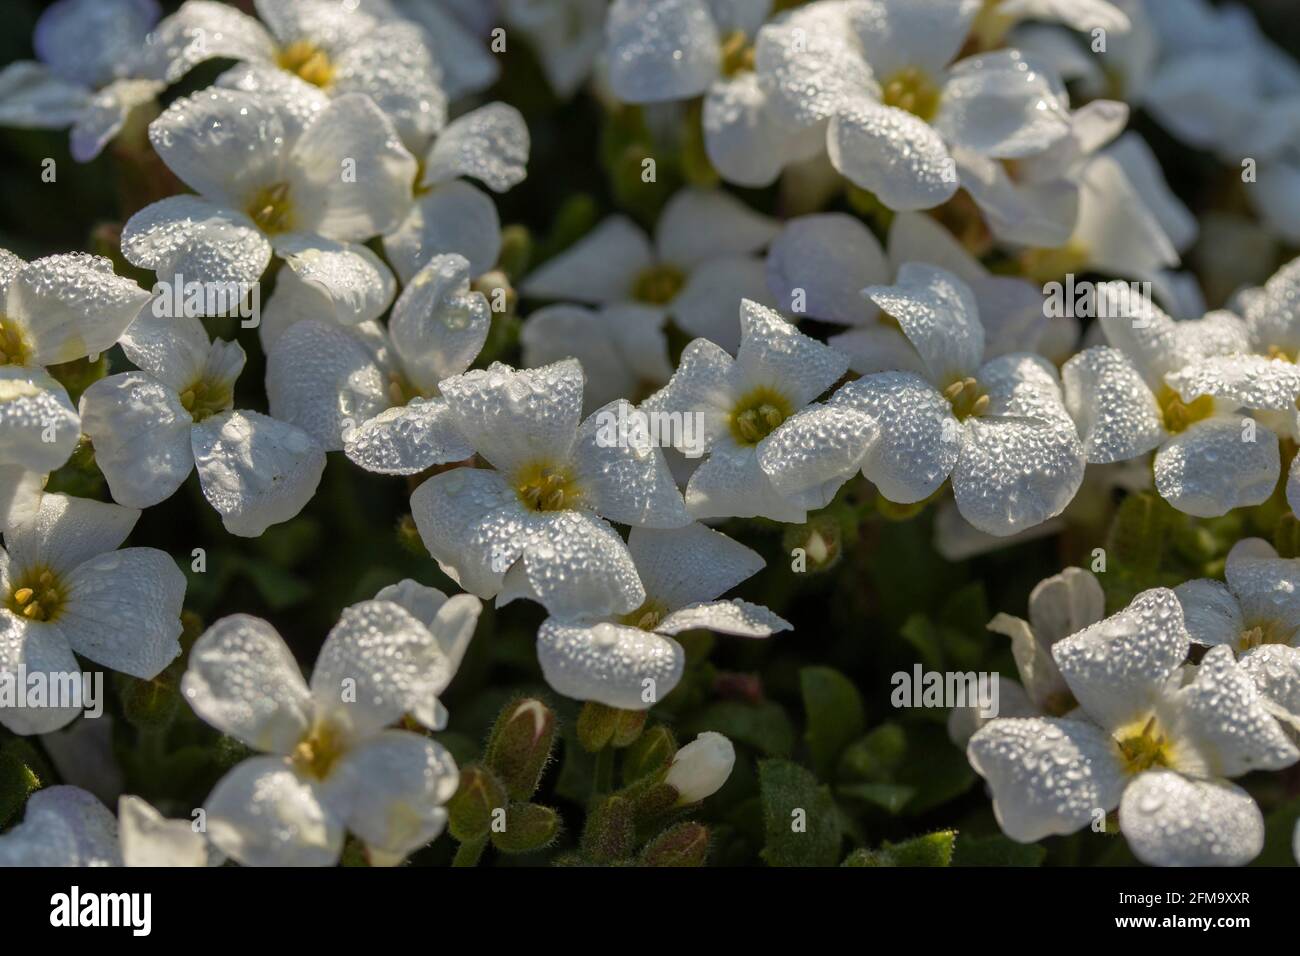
{"x": 206, "y": 398}
{"x": 1285, "y": 354}
{"x": 647, "y": 616}
{"x": 737, "y": 54}
{"x": 991, "y": 25}
{"x": 1264, "y": 632}
{"x": 1144, "y": 749}
{"x": 658, "y": 285}
{"x": 1049, "y": 265}
{"x": 271, "y": 209}
{"x": 966, "y": 398}
{"x": 38, "y": 596}
{"x": 912, "y": 90}
{"x": 759, "y": 414}
{"x": 1179, "y": 415}
{"x": 308, "y": 61}
{"x": 546, "y": 487}
{"x": 14, "y": 348}
{"x": 319, "y": 750}
{"x": 401, "y": 391}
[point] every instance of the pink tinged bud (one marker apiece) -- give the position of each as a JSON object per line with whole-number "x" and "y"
{"x": 701, "y": 767}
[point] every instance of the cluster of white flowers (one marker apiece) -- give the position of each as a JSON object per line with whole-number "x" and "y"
{"x": 325, "y": 154}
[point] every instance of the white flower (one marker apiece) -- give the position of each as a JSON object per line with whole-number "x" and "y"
{"x": 1148, "y": 738}
{"x": 452, "y": 30}
{"x": 331, "y": 765}
{"x": 534, "y": 525}
{"x": 87, "y": 75}
{"x": 373, "y": 391}
{"x": 631, "y": 661}
{"x": 449, "y": 215}
{"x": 701, "y": 767}
{"x": 999, "y": 429}
{"x": 997, "y": 17}
{"x": 152, "y": 427}
{"x": 772, "y": 450}
{"x": 821, "y": 265}
{"x": 333, "y": 47}
{"x": 623, "y": 348}
{"x": 1175, "y": 386}
{"x": 65, "y": 588}
{"x": 67, "y": 826}
{"x": 701, "y": 263}
{"x": 875, "y": 74}
{"x": 53, "y": 310}
{"x": 1059, "y": 606}
{"x": 565, "y": 35}
{"x": 1115, "y": 231}
{"x": 665, "y": 50}
{"x": 266, "y": 177}
{"x": 1257, "y": 616}
{"x": 1035, "y": 201}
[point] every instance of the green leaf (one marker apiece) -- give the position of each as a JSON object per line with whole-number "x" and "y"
{"x": 933, "y": 849}
{"x": 835, "y": 715}
{"x": 935, "y": 767}
{"x": 891, "y": 797}
{"x": 996, "y": 850}
{"x": 800, "y": 822}
{"x": 764, "y": 726}
{"x": 921, "y": 633}
{"x": 1279, "y": 832}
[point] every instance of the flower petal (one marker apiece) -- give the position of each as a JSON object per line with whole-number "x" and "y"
{"x": 1048, "y": 776}
{"x": 191, "y": 237}
{"x": 1117, "y": 416}
{"x": 893, "y": 154}
{"x": 242, "y": 679}
{"x": 261, "y": 813}
{"x": 774, "y": 354}
{"x": 920, "y": 440}
{"x": 626, "y": 481}
{"x": 622, "y": 667}
{"x": 407, "y": 439}
{"x": 1169, "y": 820}
{"x": 390, "y": 792}
{"x": 141, "y": 435}
{"x": 68, "y": 531}
{"x": 939, "y": 315}
{"x": 256, "y": 471}
{"x": 438, "y": 325}
{"x": 514, "y": 418}
{"x": 1213, "y": 467}
{"x": 698, "y": 225}
{"x": 62, "y": 826}
{"x": 489, "y": 144}
{"x": 690, "y": 565}
{"x": 324, "y": 380}
{"x": 72, "y": 306}
{"x": 351, "y": 136}
{"x": 452, "y": 218}
{"x": 810, "y": 456}
{"x": 735, "y": 617}
{"x": 600, "y": 267}
{"x": 819, "y": 265}
{"x": 34, "y": 406}
{"x": 1001, "y": 105}
{"x": 377, "y": 663}
{"x": 30, "y": 650}
{"x": 661, "y": 50}
{"x": 1119, "y": 668}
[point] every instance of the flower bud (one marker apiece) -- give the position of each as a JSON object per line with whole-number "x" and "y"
{"x": 701, "y": 767}
{"x": 529, "y": 826}
{"x": 520, "y": 746}
{"x": 686, "y": 844}
{"x": 469, "y": 812}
